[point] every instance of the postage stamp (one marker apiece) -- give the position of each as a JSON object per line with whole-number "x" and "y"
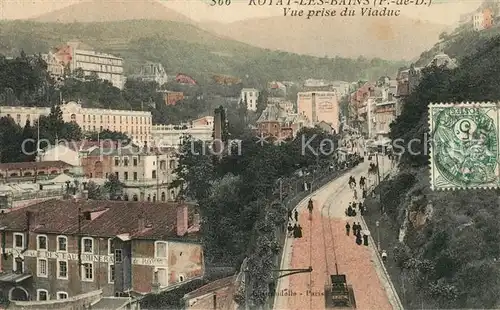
{"x": 464, "y": 150}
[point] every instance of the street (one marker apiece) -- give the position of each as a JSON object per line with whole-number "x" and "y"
{"x": 305, "y": 290}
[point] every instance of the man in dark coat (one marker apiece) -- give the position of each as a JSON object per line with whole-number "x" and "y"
{"x": 359, "y": 240}
{"x": 347, "y": 228}
{"x": 290, "y": 215}
{"x": 299, "y": 231}
{"x": 295, "y": 231}
{"x": 290, "y": 229}
{"x": 296, "y": 216}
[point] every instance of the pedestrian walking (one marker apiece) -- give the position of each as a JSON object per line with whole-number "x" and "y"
{"x": 290, "y": 229}
{"x": 296, "y": 216}
{"x": 310, "y": 206}
{"x": 359, "y": 240}
{"x": 299, "y": 231}
{"x": 355, "y": 195}
{"x": 347, "y": 228}
{"x": 384, "y": 256}
{"x": 295, "y": 231}
{"x": 290, "y": 215}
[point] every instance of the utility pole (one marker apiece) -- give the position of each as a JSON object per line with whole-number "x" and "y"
{"x": 378, "y": 170}
{"x": 377, "y": 223}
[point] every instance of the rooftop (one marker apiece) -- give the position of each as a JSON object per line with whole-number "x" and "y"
{"x": 109, "y": 218}
{"x": 34, "y": 165}
{"x": 210, "y": 287}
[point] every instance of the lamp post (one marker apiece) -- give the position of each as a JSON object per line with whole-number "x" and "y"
{"x": 377, "y": 223}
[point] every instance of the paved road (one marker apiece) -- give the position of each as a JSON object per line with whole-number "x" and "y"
{"x": 355, "y": 261}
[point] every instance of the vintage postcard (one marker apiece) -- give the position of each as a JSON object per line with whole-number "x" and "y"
{"x": 249, "y": 154}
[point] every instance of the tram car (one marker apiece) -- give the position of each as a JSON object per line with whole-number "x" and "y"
{"x": 338, "y": 294}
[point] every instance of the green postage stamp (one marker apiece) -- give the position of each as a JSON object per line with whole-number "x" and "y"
{"x": 464, "y": 145}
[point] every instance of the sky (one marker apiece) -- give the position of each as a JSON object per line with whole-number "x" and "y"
{"x": 442, "y": 11}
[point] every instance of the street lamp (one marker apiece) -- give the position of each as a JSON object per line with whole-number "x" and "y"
{"x": 377, "y": 223}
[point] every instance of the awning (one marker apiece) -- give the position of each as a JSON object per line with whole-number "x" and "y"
{"x": 14, "y": 277}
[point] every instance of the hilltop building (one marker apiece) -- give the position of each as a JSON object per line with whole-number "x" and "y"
{"x": 74, "y": 56}
{"x": 135, "y": 124}
{"x": 250, "y": 96}
{"x": 152, "y": 72}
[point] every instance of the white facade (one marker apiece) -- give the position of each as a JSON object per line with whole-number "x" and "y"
{"x": 250, "y": 95}
{"x": 106, "y": 66}
{"x": 146, "y": 176}
{"x": 135, "y": 124}
{"x": 171, "y": 135}
{"x": 478, "y": 21}
{"x": 153, "y": 72}
{"x": 61, "y": 152}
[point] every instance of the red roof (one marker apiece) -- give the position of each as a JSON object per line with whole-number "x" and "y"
{"x": 112, "y": 218}
{"x": 34, "y": 165}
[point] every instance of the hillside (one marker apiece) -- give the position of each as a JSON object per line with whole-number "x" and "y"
{"x": 392, "y": 38}
{"x": 185, "y": 48}
{"x": 449, "y": 257}
{"x": 107, "y": 11}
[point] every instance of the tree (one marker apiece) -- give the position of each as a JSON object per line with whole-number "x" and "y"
{"x": 194, "y": 169}
{"x": 28, "y": 142}
{"x": 262, "y": 101}
{"x": 10, "y": 141}
{"x": 95, "y": 192}
{"x": 113, "y": 187}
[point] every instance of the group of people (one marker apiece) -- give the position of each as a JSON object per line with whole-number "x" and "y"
{"x": 356, "y": 231}
{"x": 294, "y": 230}
{"x": 351, "y": 210}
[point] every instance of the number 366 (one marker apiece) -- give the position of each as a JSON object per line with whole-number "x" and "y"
{"x": 220, "y": 2}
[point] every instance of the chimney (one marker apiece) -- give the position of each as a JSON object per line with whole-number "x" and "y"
{"x": 182, "y": 220}
{"x": 31, "y": 219}
{"x": 142, "y": 223}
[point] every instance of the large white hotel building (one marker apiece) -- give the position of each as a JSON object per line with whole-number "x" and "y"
{"x": 135, "y": 124}
{"x": 106, "y": 66}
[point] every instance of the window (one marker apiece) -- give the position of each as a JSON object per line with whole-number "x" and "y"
{"x": 88, "y": 272}
{"x": 160, "y": 249}
{"x": 118, "y": 256}
{"x": 125, "y": 161}
{"x": 153, "y": 174}
{"x": 41, "y": 243}
{"x": 41, "y": 267}
{"x": 117, "y": 161}
{"x": 42, "y": 295}
{"x": 88, "y": 245}
{"x": 73, "y": 117}
{"x": 111, "y": 246}
{"x": 111, "y": 273}
{"x": 18, "y": 265}
{"x": 19, "y": 240}
{"x": 135, "y": 176}
{"x": 161, "y": 273}
{"x": 125, "y": 175}
{"x": 62, "y": 295}
{"x": 181, "y": 278}
{"x": 62, "y": 269}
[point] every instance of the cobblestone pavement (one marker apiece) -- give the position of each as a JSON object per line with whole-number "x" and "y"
{"x": 353, "y": 260}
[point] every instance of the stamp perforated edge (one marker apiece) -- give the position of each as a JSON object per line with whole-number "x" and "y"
{"x": 431, "y": 153}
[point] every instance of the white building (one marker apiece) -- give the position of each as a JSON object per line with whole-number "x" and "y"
{"x": 153, "y": 72}
{"x": 106, "y": 66}
{"x": 135, "y": 124}
{"x": 478, "y": 21}
{"x": 146, "y": 175}
{"x": 171, "y": 135}
{"x": 250, "y": 95}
